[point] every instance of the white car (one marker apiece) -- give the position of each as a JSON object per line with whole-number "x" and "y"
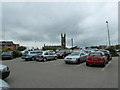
{"x": 4, "y": 71}
{"x": 3, "y": 85}
{"x": 76, "y": 57}
{"x": 45, "y": 55}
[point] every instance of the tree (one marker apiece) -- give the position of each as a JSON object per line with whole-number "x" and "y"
{"x": 21, "y": 48}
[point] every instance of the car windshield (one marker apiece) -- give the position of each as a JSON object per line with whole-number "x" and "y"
{"x": 61, "y": 51}
{"x": 75, "y": 54}
{"x": 40, "y": 53}
{"x": 95, "y": 54}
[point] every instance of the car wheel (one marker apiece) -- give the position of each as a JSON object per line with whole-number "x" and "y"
{"x": 33, "y": 58}
{"x": 104, "y": 64}
{"x": 107, "y": 61}
{"x": 78, "y": 61}
{"x": 26, "y": 59}
{"x": 38, "y": 60}
{"x": 87, "y": 64}
{"x": 66, "y": 62}
{"x": 55, "y": 58}
{"x": 44, "y": 59}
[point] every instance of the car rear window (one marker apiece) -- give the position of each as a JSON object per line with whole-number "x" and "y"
{"x": 40, "y": 53}
{"x": 33, "y": 52}
{"x": 95, "y": 54}
{"x": 75, "y": 54}
{"x": 7, "y": 53}
{"x": 26, "y": 52}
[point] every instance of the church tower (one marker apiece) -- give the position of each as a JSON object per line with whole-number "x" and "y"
{"x": 63, "y": 41}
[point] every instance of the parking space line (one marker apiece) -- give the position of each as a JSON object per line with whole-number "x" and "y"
{"x": 106, "y": 66}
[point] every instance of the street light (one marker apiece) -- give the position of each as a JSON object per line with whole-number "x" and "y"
{"x": 108, "y": 33}
{"x": 35, "y": 44}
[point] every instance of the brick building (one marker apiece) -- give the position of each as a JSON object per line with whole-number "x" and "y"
{"x": 8, "y": 45}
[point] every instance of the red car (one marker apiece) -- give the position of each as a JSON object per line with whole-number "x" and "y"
{"x": 63, "y": 53}
{"x": 96, "y": 58}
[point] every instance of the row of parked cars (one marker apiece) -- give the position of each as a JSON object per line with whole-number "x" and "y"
{"x": 93, "y": 56}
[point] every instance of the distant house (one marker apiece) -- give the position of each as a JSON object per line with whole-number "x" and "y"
{"x": 75, "y": 47}
{"x": 8, "y": 45}
{"x": 51, "y": 47}
{"x": 103, "y": 47}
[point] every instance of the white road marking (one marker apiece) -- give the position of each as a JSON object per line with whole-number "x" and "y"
{"x": 106, "y": 66}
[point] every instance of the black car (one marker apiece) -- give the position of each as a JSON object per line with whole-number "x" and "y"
{"x": 107, "y": 53}
{"x": 8, "y": 55}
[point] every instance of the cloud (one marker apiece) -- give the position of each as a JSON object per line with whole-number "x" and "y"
{"x": 44, "y": 22}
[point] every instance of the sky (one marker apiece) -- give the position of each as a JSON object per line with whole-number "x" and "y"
{"x": 43, "y": 22}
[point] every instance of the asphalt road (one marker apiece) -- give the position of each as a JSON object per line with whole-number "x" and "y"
{"x": 57, "y": 74}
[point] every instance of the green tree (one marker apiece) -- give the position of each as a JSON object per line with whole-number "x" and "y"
{"x": 21, "y": 48}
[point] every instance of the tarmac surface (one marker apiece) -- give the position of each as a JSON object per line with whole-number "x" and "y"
{"x": 57, "y": 74}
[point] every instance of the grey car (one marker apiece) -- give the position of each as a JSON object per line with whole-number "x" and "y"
{"x": 45, "y": 55}
{"x": 4, "y": 85}
{"x": 4, "y": 71}
{"x": 29, "y": 55}
{"x": 8, "y": 55}
{"x": 76, "y": 57}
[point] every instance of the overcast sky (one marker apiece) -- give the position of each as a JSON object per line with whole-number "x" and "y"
{"x": 25, "y": 23}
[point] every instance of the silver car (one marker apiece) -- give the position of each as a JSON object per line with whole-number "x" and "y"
{"x": 29, "y": 55}
{"x": 4, "y": 85}
{"x": 4, "y": 71}
{"x": 76, "y": 57}
{"x": 45, "y": 55}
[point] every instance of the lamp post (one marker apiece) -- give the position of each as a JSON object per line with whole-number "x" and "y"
{"x": 108, "y": 33}
{"x": 35, "y": 44}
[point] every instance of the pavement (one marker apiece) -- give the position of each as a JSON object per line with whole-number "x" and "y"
{"x": 57, "y": 74}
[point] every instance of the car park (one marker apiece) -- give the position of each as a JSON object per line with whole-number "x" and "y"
{"x": 63, "y": 53}
{"x": 4, "y": 85}
{"x": 4, "y": 71}
{"x": 29, "y": 55}
{"x": 45, "y": 55}
{"x": 96, "y": 58}
{"x": 8, "y": 55}
{"x": 76, "y": 57}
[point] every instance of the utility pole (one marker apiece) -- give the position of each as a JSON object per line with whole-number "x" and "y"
{"x": 35, "y": 44}
{"x": 108, "y": 33}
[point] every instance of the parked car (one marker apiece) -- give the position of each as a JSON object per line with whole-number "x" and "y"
{"x": 29, "y": 55}
{"x": 96, "y": 58}
{"x": 4, "y": 85}
{"x": 8, "y": 55}
{"x": 107, "y": 53}
{"x": 4, "y": 71}
{"x": 45, "y": 55}
{"x": 63, "y": 53}
{"x": 76, "y": 57}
